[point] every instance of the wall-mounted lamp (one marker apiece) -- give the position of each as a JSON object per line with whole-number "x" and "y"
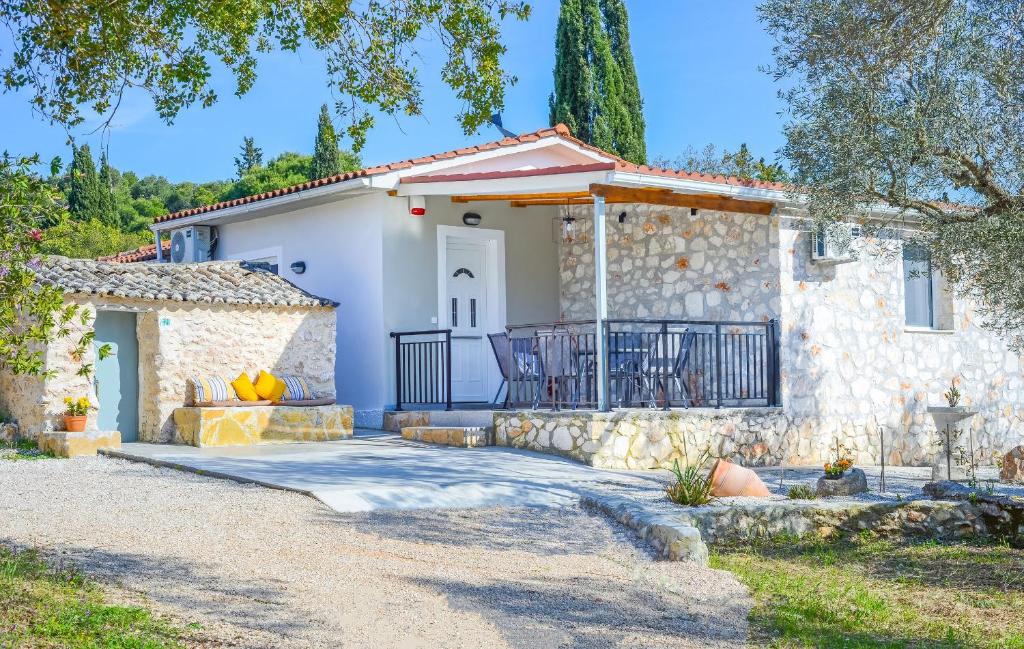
{"x": 471, "y": 218}
{"x": 298, "y": 267}
{"x": 622, "y": 217}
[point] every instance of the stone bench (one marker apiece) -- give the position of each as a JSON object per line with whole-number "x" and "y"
{"x": 246, "y": 425}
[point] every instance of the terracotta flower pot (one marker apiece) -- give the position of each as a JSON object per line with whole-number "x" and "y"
{"x": 74, "y": 423}
{"x": 728, "y": 479}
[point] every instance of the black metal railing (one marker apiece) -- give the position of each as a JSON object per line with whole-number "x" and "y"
{"x": 423, "y": 367}
{"x": 651, "y": 364}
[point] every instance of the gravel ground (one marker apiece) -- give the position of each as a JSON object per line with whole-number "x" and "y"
{"x": 263, "y": 568}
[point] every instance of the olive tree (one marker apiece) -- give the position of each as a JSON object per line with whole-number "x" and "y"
{"x": 919, "y": 106}
{"x": 83, "y": 55}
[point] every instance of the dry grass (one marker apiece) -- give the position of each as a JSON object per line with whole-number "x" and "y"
{"x": 874, "y": 593}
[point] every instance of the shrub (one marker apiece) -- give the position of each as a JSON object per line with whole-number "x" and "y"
{"x": 801, "y": 492}
{"x": 692, "y": 486}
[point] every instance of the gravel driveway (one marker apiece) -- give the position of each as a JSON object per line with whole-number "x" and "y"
{"x": 263, "y": 568}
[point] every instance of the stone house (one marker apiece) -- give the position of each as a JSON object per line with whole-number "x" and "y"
{"x": 167, "y": 323}
{"x": 646, "y": 310}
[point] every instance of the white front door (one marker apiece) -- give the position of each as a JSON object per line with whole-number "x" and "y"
{"x": 467, "y": 311}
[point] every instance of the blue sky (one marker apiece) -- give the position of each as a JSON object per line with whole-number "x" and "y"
{"x": 697, "y": 63}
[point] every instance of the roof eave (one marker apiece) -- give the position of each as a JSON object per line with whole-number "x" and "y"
{"x": 347, "y": 186}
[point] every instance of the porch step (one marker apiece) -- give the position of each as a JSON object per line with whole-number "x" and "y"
{"x": 463, "y": 436}
{"x": 395, "y": 421}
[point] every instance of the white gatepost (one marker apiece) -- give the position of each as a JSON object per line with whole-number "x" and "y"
{"x": 601, "y": 302}
{"x": 159, "y": 248}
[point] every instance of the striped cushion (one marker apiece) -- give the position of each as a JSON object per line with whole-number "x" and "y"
{"x": 296, "y": 389}
{"x": 211, "y": 388}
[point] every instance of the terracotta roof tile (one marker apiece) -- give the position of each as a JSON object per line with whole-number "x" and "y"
{"x": 142, "y": 253}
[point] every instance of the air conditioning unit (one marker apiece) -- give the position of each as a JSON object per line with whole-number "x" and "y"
{"x": 190, "y": 245}
{"x": 835, "y": 247}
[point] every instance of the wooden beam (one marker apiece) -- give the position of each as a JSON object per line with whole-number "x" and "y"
{"x": 716, "y": 202}
{"x": 552, "y": 201}
{"x": 517, "y": 197}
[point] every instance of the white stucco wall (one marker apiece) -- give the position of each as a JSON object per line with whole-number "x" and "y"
{"x": 410, "y": 265}
{"x": 341, "y": 243}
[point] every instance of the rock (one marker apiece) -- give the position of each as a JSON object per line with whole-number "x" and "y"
{"x": 946, "y": 490}
{"x": 8, "y": 432}
{"x": 853, "y": 482}
{"x": 1013, "y": 465}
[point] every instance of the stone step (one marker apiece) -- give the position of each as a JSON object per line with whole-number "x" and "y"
{"x": 462, "y": 436}
{"x": 395, "y": 421}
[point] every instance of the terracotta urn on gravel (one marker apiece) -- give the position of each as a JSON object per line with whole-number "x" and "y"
{"x": 728, "y": 479}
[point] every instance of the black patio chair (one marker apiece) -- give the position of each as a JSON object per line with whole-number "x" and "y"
{"x": 512, "y": 354}
{"x": 559, "y": 363}
{"x": 680, "y": 366}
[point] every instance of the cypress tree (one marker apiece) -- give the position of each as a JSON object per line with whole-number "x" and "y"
{"x": 108, "y": 205}
{"x": 85, "y": 196}
{"x": 250, "y": 157}
{"x": 572, "y": 102}
{"x": 326, "y": 160}
{"x": 632, "y": 127}
{"x": 596, "y": 91}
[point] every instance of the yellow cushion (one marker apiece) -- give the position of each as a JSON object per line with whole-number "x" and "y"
{"x": 279, "y": 390}
{"x": 244, "y": 388}
{"x": 265, "y": 385}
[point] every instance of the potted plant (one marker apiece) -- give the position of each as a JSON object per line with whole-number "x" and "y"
{"x": 75, "y": 414}
{"x": 952, "y": 425}
{"x": 840, "y": 478}
{"x": 836, "y": 470}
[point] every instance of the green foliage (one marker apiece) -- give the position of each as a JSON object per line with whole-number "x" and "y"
{"x": 70, "y": 57}
{"x": 693, "y": 485}
{"x": 42, "y": 606}
{"x": 90, "y": 196}
{"x": 801, "y": 492}
{"x": 89, "y": 239}
{"x": 31, "y": 315}
{"x": 23, "y": 449}
{"x": 952, "y": 395}
{"x": 250, "y": 157}
{"x": 866, "y": 592}
{"x": 912, "y": 104}
{"x": 325, "y": 152}
{"x": 740, "y": 164}
{"x": 596, "y": 90}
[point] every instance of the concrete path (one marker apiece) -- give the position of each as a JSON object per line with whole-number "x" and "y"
{"x": 379, "y": 470}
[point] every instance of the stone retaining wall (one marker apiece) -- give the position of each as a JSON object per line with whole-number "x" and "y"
{"x": 649, "y": 439}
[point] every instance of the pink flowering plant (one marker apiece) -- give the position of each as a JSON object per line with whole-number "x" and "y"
{"x": 32, "y": 314}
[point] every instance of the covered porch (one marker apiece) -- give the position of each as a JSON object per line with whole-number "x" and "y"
{"x": 680, "y": 311}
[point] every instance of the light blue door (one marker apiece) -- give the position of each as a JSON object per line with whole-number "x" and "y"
{"x": 117, "y": 375}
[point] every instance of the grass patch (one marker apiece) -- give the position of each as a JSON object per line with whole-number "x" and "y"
{"x": 878, "y": 593}
{"x": 42, "y": 606}
{"x": 23, "y": 449}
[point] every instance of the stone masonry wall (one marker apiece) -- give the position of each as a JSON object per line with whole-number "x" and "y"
{"x": 226, "y": 340}
{"x": 851, "y": 369}
{"x": 665, "y": 263}
{"x": 177, "y": 340}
